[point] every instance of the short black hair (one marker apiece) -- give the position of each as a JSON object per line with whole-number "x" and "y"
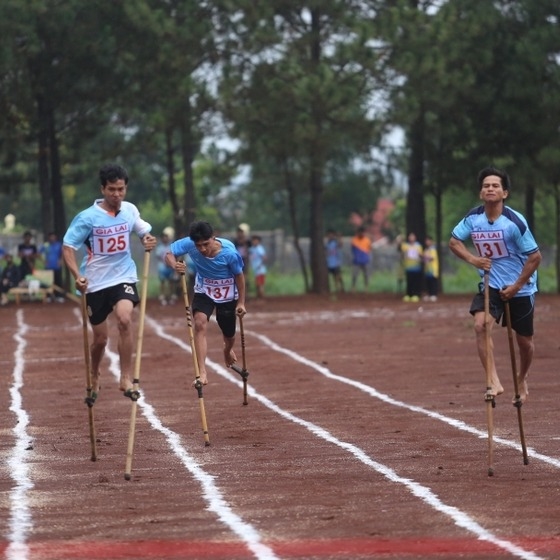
{"x": 490, "y": 170}
{"x": 111, "y": 173}
{"x": 200, "y": 231}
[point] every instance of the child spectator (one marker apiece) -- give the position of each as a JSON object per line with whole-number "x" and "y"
{"x": 257, "y": 260}
{"x": 333, "y": 249}
{"x": 166, "y": 274}
{"x": 431, "y": 269}
{"x": 412, "y": 262}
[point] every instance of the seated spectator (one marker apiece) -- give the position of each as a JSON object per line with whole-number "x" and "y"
{"x": 9, "y": 279}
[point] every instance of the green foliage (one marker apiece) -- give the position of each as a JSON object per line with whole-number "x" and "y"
{"x": 306, "y": 92}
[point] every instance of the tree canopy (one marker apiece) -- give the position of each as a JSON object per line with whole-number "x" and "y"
{"x": 279, "y": 113}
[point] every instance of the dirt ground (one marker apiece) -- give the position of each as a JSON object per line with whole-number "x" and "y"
{"x": 365, "y": 436}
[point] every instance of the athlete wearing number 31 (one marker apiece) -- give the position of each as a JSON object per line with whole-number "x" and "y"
{"x": 219, "y": 285}
{"x": 107, "y": 274}
{"x": 506, "y": 249}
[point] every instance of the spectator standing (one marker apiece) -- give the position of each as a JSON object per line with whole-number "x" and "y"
{"x": 431, "y": 269}
{"x": 361, "y": 257}
{"x": 412, "y": 263}
{"x": 27, "y": 253}
{"x": 166, "y": 274}
{"x": 333, "y": 251}
{"x": 51, "y": 251}
{"x": 242, "y": 243}
{"x": 257, "y": 258}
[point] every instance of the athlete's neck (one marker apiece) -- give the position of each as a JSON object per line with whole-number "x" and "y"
{"x": 493, "y": 211}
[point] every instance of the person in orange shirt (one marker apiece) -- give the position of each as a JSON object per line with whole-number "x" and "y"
{"x": 361, "y": 257}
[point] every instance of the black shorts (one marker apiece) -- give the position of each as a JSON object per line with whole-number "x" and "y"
{"x": 101, "y": 303}
{"x": 522, "y": 310}
{"x": 334, "y": 270}
{"x": 225, "y": 312}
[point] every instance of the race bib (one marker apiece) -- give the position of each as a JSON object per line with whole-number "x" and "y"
{"x": 490, "y": 244}
{"x": 110, "y": 240}
{"x": 221, "y": 290}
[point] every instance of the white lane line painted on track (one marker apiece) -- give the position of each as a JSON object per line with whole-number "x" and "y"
{"x": 211, "y": 492}
{"x": 460, "y": 518}
{"x": 21, "y": 521}
{"x": 390, "y": 400}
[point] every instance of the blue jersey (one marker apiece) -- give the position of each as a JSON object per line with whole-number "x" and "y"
{"x": 334, "y": 253}
{"x": 507, "y": 241}
{"x": 106, "y": 238}
{"x": 52, "y": 250}
{"x": 257, "y": 257}
{"x": 215, "y": 276}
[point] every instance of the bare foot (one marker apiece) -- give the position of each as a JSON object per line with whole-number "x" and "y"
{"x": 125, "y": 384}
{"x": 495, "y": 390}
{"x": 229, "y": 357}
{"x": 523, "y": 390}
{"x": 202, "y": 377}
{"x": 95, "y": 382}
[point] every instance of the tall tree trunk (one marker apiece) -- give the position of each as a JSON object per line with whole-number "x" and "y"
{"x": 557, "y": 260}
{"x": 43, "y": 163}
{"x": 438, "y": 232}
{"x": 292, "y": 205}
{"x": 178, "y": 224}
{"x": 59, "y": 213}
{"x": 188, "y": 152}
{"x": 530, "y": 206}
{"x": 319, "y": 273}
{"x": 415, "y": 210}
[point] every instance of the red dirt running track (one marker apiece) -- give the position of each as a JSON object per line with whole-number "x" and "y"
{"x": 365, "y": 436}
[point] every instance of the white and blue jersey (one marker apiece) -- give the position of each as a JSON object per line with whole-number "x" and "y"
{"x": 507, "y": 241}
{"x": 106, "y": 237}
{"x": 215, "y": 276}
{"x": 257, "y": 256}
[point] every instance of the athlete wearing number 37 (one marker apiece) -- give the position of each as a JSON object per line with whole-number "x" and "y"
{"x": 219, "y": 285}
{"x": 506, "y": 249}
{"x": 107, "y": 274}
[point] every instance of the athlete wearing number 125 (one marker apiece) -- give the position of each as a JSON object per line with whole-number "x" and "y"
{"x": 107, "y": 274}
{"x": 506, "y": 249}
{"x": 219, "y": 285}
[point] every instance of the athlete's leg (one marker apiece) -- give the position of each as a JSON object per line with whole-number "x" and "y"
{"x": 97, "y": 351}
{"x": 480, "y": 331}
{"x": 200, "y": 343}
{"x": 526, "y": 350}
{"x": 123, "y": 312}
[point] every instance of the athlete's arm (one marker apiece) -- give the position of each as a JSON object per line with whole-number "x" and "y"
{"x": 240, "y": 283}
{"x": 531, "y": 264}
{"x": 69, "y": 255}
{"x": 459, "y": 249}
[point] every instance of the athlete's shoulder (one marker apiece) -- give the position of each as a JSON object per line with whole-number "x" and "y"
{"x": 227, "y": 244}
{"x": 129, "y": 208}
{"x": 475, "y": 212}
{"x": 516, "y": 217}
